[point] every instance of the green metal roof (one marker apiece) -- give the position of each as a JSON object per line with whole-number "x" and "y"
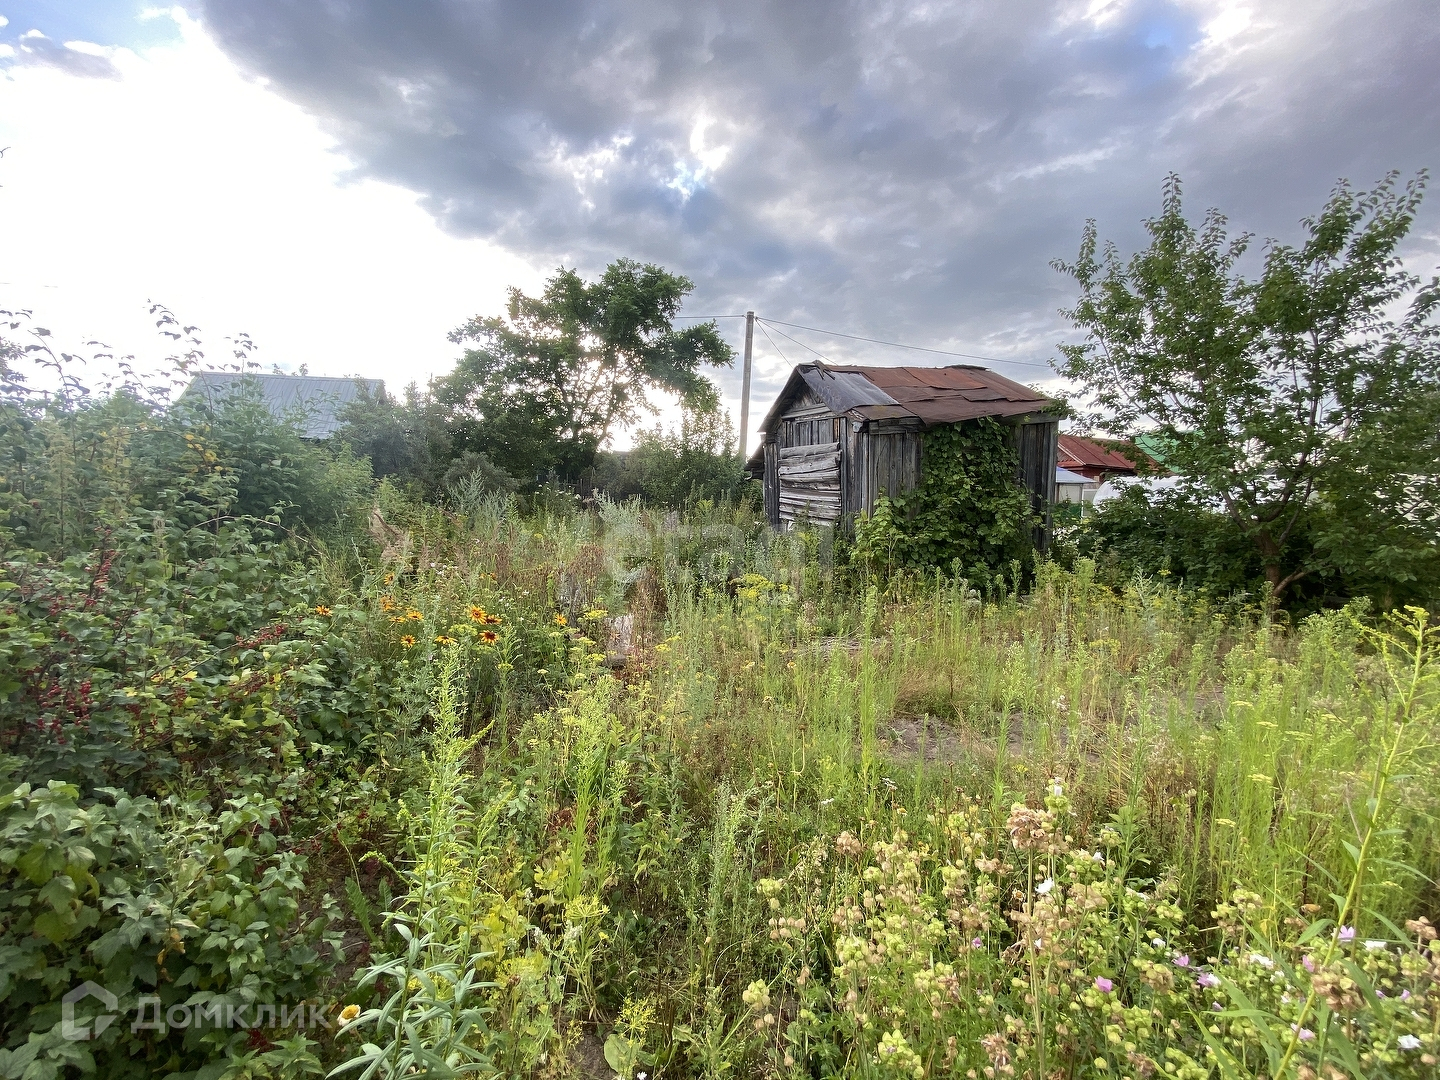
{"x": 1154, "y": 444}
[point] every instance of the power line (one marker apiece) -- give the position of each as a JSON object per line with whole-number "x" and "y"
{"x": 771, "y": 340}
{"x": 901, "y": 345}
{"x": 709, "y": 316}
{"x": 787, "y": 337}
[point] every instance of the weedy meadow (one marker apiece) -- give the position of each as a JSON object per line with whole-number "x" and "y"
{"x": 603, "y": 792}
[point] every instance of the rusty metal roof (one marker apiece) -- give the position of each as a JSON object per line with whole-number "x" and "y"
{"x": 1078, "y": 451}
{"x": 932, "y": 395}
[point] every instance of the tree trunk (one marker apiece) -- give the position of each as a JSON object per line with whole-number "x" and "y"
{"x": 1270, "y": 556}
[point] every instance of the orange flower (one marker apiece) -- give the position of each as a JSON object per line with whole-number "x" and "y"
{"x": 408, "y": 640}
{"x": 387, "y": 604}
{"x": 441, "y": 639}
{"x": 489, "y": 637}
{"x": 322, "y": 610}
{"x": 560, "y": 620}
{"x": 493, "y": 620}
{"x": 389, "y": 579}
{"x": 415, "y": 616}
{"x": 397, "y": 618}
{"x": 477, "y": 614}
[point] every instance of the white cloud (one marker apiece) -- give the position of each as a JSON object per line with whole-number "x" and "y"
{"x": 185, "y": 182}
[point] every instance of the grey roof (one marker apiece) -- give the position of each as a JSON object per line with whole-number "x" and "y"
{"x": 320, "y": 397}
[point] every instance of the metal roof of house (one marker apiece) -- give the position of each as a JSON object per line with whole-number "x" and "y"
{"x": 1065, "y": 476}
{"x": 932, "y": 395}
{"x": 322, "y": 399}
{"x": 1077, "y": 451}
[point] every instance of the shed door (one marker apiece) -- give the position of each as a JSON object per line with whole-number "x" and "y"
{"x": 810, "y": 482}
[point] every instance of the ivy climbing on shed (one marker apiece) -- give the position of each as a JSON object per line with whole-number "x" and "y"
{"x": 969, "y": 513}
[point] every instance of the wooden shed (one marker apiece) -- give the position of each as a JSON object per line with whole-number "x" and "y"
{"x": 837, "y": 438}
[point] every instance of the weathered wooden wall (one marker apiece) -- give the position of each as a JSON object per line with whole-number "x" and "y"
{"x": 772, "y": 483}
{"x": 809, "y": 480}
{"x": 1037, "y": 438}
{"x": 828, "y": 467}
{"x": 888, "y": 463}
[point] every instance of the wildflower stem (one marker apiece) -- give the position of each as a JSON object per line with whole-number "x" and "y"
{"x": 1379, "y": 787}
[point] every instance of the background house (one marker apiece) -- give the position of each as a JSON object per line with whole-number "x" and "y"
{"x": 317, "y": 400}
{"x": 1095, "y": 460}
{"x": 837, "y": 438}
{"x": 1087, "y": 465}
{"x": 1072, "y": 487}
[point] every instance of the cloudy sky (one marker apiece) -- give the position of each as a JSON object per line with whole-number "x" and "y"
{"x": 346, "y": 180}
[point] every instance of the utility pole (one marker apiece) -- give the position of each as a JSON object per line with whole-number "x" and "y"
{"x": 745, "y": 383}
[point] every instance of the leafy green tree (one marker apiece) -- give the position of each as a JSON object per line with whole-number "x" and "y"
{"x": 695, "y": 461}
{"x": 408, "y": 440}
{"x": 544, "y": 387}
{"x": 1297, "y": 403}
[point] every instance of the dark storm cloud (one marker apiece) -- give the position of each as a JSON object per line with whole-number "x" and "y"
{"x": 897, "y": 170}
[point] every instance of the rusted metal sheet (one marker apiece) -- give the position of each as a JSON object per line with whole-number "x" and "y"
{"x": 945, "y": 395}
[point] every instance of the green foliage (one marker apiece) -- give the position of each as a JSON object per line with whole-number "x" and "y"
{"x": 71, "y": 469}
{"x": 171, "y": 651}
{"x": 1296, "y": 404}
{"x": 1166, "y": 534}
{"x": 192, "y": 908}
{"x": 676, "y": 468}
{"x": 274, "y": 471}
{"x": 473, "y": 475}
{"x": 546, "y": 386}
{"x": 695, "y": 462}
{"x": 969, "y": 514}
{"x": 408, "y": 441}
{"x": 777, "y": 819}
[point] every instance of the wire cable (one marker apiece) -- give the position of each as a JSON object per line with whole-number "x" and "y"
{"x": 771, "y": 340}
{"x": 787, "y": 337}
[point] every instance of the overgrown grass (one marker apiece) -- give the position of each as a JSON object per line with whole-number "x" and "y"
{"x": 825, "y": 826}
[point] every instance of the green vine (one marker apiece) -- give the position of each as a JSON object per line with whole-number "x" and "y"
{"x": 969, "y": 512}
